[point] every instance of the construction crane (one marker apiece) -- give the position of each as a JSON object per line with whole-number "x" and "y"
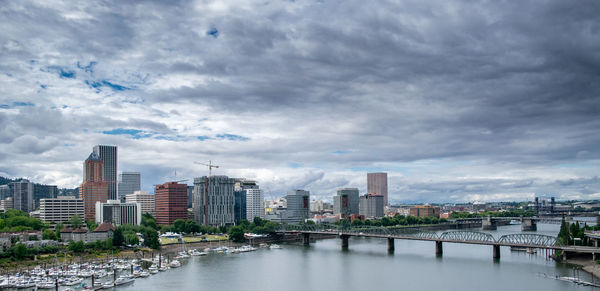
{"x": 209, "y": 165}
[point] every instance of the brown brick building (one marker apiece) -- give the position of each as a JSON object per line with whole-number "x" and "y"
{"x": 93, "y": 188}
{"x": 425, "y": 211}
{"x": 171, "y": 202}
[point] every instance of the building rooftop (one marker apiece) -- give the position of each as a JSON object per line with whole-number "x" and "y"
{"x": 104, "y": 227}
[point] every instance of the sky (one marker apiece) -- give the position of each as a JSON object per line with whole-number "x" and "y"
{"x": 458, "y": 101}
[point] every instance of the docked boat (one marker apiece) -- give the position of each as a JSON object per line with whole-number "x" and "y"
{"x": 175, "y": 264}
{"x": 108, "y": 284}
{"x": 274, "y": 246}
{"x": 123, "y": 280}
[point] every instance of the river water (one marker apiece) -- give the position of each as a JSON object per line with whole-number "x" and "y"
{"x": 366, "y": 265}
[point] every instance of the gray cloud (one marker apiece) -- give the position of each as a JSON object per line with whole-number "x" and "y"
{"x": 494, "y": 98}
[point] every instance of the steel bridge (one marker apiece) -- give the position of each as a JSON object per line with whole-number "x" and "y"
{"x": 520, "y": 240}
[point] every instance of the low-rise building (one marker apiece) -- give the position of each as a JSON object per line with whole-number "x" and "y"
{"x": 102, "y": 232}
{"x": 61, "y": 208}
{"x": 117, "y": 213}
{"x": 425, "y": 211}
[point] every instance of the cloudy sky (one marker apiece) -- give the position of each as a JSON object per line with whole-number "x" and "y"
{"x": 456, "y": 100}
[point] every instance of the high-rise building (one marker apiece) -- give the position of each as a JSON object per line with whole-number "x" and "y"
{"x": 6, "y": 204}
{"x": 255, "y": 204}
{"x": 117, "y": 213}
{"x": 190, "y": 193}
{"x": 108, "y": 155}
{"x": 22, "y": 193}
{"x": 240, "y": 199}
{"x": 345, "y": 203}
{"x": 43, "y": 192}
{"x": 94, "y": 188}
{"x": 61, "y": 208}
{"x": 371, "y": 206}
{"x": 145, "y": 200}
{"x": 128, "y": 182}
{"x": 171, "y": 202}
{"x": 377, "y": 184}
{"x": 214, "y": 200}
{"x": 298, "y": 205}
{"x": 5, "y": 192}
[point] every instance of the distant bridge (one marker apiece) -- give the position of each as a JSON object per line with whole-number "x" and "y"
{"x": 521, "y": 240}
{"x": 527, "y": 223}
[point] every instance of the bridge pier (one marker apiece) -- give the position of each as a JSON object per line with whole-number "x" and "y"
{"x": 488, "y": 224}
{"x": 594, "y": 256}
{"x": 306, "y": 239}
{"x": 496, "y": 252}
{"x": 528, "y": 224}
{"x": 439, "y": 250}
{"x": 390, "y": 245}
{"x": 344, "y": 241}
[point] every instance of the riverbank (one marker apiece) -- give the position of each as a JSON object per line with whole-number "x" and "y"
{"x": 587, "y": 265}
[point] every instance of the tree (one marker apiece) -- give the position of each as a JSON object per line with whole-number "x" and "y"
{"x": 179, "y": 225}
{"x": 236, "y": 234}
{"x": 118, "y": 238}
{"x": 191, "y": 226}
{"x": 149, "y": 221}
{"x": 49, "y": 234}
{"x": 91, "y": 225}
{"x": 75, "y": 221}
{"x": 151, "y": 238}
{"x": 20, "y": 251}
{"x": 563, "y": 234}
{"x": 58, "y": 228}
{"x": 132, "y": 239}
{"x": 76, "y": 247}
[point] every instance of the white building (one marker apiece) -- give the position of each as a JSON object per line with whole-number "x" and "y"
{"x": 117, "y": 213}
{"x": 61, "y": 208}
{"x": 146, "y": 201}
{"x": 255, "y": 205}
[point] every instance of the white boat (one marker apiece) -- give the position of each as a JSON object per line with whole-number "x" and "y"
{"x": 108, "y": 284}
{"x": 274, "y": 246}
{"x": 144, "y": 274}
{"x": 175, "y": 264}
{"x": 123, "y": 281}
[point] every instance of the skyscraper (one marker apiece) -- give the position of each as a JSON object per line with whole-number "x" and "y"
{"x": 298, "y": 205}
{"x": 93, "y": 188}
{"x": 240, "y": 203}
{"x": 255, "y": 203}
{"x": 371, "y": 206}
{"x": 171, "y": 202}
{"x": 128, "y": 182}
{"x": 108, "y": 155}
{"x": 23, "y": 196}
{"x": 377, "y": 184}
{"x": 346, "y": 202}
{"x": 214, "y": 200}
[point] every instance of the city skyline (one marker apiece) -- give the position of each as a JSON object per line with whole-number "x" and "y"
{"x": 499, "y": 105}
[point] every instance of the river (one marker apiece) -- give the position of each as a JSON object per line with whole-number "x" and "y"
{"x": 366, "y": 265}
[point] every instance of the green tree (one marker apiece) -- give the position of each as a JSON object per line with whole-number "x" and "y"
{"x": 236, "y": 234}
{"x": 75, "y": 221}
{"x": 91, "y": 225}
{"x": 151, "y": 238}
{"x": 108, "y": 244}
{"x": 563, "y": 234}
{"x": 179, "y": 225}
{"x": 118, "y": 238}
{"x": 149, "y": 221}
{"x": 132, "y": 239}
{"x": 76, "y": 247}
{"x": 20, "y": 251}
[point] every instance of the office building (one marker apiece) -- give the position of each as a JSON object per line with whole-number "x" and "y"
{"x": 43, "y": 192}
{"x": 255, "y": 204}
{"x": 145, "y": 200}
{"x": 425, "y": 211}
{"x": 61, "y": 208}
{"x": 371, "y": 206}
{"x": 298, "y": 204}
{"x": 118, "y": 213}
{"x": 190, "y": 194}
{"x": 214, "y": 200}
{"x": 345, "y": 203}
{"x": 377, "y": 184}
{"x": 108, "y": 155}
{"x": 94, "y": 188}
{"x": 22, "y": 195}
{"x": 171, "y": 202}
{"x": 6, "y": 204}
{"x": 128, "y": 182}
{"x": 5, "y": 192}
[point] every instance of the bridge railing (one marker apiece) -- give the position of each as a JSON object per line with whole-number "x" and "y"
{"x": 526, "y": 239}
